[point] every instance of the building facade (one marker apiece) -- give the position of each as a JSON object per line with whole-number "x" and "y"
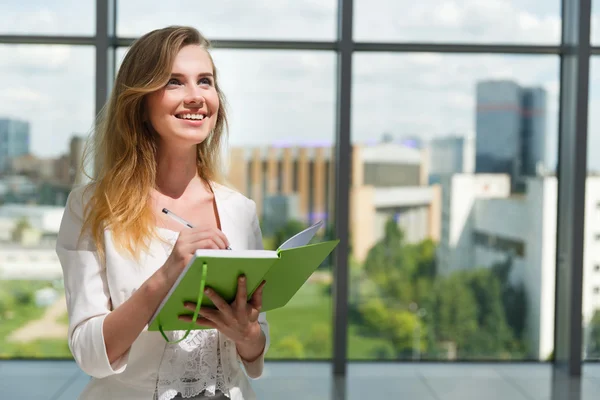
{"x": 483, "y": 224}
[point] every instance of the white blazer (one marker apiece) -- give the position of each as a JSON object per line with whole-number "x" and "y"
{"x": 92, "y": 291}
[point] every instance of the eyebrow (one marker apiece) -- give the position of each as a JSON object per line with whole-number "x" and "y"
{"x": 179, "y": 75}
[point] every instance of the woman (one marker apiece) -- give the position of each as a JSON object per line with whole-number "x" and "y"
{"x": 157, "y": 146}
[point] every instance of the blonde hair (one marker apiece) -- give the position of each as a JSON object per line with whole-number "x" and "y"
{"x": 123, "y": 146}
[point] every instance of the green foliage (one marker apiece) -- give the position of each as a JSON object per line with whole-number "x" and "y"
{"x": 476, "y": 311}
{"x": 455, "y": 311}
{"x": 399, "y": 327}
{"x": 17, "y": 308}
{"x": 48, "y": 348}
{"x": 593, "y": 347}
{"x": 318, "y": 342}
{"x": 288, "y": 347}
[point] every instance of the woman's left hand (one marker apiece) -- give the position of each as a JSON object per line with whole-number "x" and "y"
{"x": 238, "y": 321}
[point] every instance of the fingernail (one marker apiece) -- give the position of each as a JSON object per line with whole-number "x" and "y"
{"x": 242, "y": 278}
{"x": 206, "y": 291}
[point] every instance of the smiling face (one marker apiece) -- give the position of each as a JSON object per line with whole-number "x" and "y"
{"x": 184, "y": 112}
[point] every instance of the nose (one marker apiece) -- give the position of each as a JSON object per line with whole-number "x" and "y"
{"x": 194, "y": 96}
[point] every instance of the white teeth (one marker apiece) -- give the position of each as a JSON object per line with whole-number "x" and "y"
{"x": 191, "y": 116}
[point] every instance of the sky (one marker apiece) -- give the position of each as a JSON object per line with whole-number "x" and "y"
{"x": 288, "y": 97}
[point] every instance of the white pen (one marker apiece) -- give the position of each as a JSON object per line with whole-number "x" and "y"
{"x": 180, "y": 220}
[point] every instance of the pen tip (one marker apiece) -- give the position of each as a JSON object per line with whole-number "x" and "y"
{"x": 165, "y": 210}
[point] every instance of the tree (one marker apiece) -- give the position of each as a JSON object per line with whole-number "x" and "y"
{"x": 477, "y": 311}
{"x": 593, "y": 347}
{"x": 391, "y": 267}
{"x": 494, "y": 335}
{"x": 318, "y": 342}
{"x": 397, "y": 326}
{"x": 454, "y": 311}
{"x": 395, "y": 275}
{"x": 514, "y": 299}
{"x": 289, "y": 347}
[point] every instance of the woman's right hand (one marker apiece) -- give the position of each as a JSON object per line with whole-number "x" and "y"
{"x": 187, "y": 243}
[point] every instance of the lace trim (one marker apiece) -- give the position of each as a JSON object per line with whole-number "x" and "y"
{"x": 195, "y": 365}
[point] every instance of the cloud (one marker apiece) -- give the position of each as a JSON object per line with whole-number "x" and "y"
{"x": 275, "y": 95}
{"x": 43, "y": 17}
{"x": 506, "y": 21}
{"x": 239, "y": 19}
{"x": 53, "y": 88}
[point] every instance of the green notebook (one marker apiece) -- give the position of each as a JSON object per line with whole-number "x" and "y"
{"x": 285, "y": 270}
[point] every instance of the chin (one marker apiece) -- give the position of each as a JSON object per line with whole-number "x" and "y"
{"x": 193, "y": 138}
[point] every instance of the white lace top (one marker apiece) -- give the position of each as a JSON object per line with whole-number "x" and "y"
{"x": 194, "y": 366}
{"x": 206, "y": 361}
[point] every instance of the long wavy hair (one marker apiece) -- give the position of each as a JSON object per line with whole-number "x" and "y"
{"x": 123, "y": 146}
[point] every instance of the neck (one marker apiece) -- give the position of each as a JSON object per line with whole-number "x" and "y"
{"x": 176, "y": 169}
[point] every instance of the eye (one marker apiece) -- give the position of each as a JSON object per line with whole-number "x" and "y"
{"x": 173, "y": 81}
{"x": 205, "y": 81}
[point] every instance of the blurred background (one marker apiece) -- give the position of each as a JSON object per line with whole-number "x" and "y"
{"x": 426, "y": 134}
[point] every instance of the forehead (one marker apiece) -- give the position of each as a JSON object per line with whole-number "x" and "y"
{"x": 192, "y": 60}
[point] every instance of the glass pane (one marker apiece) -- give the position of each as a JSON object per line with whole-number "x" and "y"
{"x": 41, "y": 17}
{"x": 591, "y": 259}
{"x": 236, "y": 19}
{"x": 490, "y": 21}
{"x": 282, "y": 111}
{"x": 453, "y": 207}
{"x": 46, "y": 111}
{"x": 595, "y": 28}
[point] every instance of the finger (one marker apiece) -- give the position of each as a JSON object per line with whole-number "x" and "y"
{"x": 222, "y": 236}
{"x": 199, "y": 321}
{"x": 214, "y": 235}
{"x": 201, "y": 244}
{"x": 242, "y": 292}
{"x": 241, "y": 300}
{"x": 206, "y": 242}
{"x": 221, "y": 304}
{"x": 256, "y": 300}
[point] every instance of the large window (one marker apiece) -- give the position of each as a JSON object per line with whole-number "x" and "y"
{"x": 46, "y": 112}
{"x": 457, "y": 262}
{"x": 454, "y": 116}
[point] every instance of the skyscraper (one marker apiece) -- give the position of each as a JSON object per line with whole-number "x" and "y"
{"x": 510, "y": 130}
{"x": 14, "y": 141}
{"x": 450, "y": 155}
{"x": 534, "y": 138}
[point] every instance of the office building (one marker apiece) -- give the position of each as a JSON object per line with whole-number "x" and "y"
{"x": 450, "y": 155}
{"x": 483, "y": 224}
{"x": 14, "y": 141}
{"x": 511, "y": 135}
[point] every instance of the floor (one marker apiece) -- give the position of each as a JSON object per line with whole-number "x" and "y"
{"x": 62, "y": 380}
